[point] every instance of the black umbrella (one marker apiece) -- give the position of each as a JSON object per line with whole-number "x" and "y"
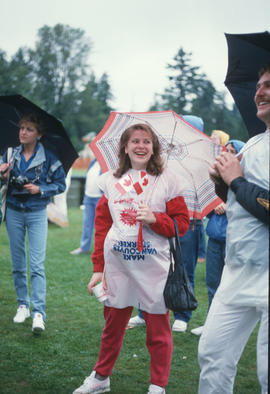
{"x": 247, "y": 53}
{"x": 56, "y": 139}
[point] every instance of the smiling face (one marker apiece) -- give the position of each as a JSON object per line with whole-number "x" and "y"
{"x": 139, "y": 149}
{"x": 262, "y": 98}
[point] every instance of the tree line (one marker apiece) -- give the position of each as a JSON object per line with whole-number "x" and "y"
{"x": 56, "y": 75}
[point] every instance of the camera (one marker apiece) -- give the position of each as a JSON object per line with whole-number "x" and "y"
{"x": 19, "y": 182}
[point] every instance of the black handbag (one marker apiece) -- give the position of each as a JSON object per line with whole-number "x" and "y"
{"x": 178, "y": 293}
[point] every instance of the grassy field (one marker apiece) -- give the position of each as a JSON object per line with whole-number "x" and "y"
{"x": 57, "y": 361}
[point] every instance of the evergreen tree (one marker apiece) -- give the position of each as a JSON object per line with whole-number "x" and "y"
{"x": 56, "y": 75}
{"x": 190, "y": 92}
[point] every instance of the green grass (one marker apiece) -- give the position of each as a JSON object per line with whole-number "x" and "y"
{"x": 59, "y": 359}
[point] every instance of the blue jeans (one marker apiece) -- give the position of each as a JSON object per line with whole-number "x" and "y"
{"x": 202, "y": 243}
{"x": 88, "y": 222}
{"x": 215, "y": 259}
{"x": 36, "y": 224}
{"x": 190, "y": 243}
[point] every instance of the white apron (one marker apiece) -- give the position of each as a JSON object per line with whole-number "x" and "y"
{"x": 136, "y": 278}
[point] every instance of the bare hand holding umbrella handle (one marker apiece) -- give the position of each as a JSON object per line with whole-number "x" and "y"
{"x": 220, "y": 209}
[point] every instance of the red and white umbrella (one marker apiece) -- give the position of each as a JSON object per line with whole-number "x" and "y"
{"x": 185, "y": 149}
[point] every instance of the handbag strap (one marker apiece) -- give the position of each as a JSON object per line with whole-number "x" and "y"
{"x": 176, "y": 250}
{"x": 9, "y": 157}
{"x": 9, "y": 154}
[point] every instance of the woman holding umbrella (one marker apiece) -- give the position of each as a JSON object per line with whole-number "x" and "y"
{"x": 35, "y": 175}
{"x": 140, "y": 197}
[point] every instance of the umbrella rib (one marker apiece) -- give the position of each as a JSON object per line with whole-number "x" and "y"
{"x": 192, "y": 177}
{"x": 17, "y": 113}
{"x": 171, "y": 143}
{"x": 15, "y": 124}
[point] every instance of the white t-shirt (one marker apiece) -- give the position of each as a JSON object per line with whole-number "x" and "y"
{"x": 91, "y": 185}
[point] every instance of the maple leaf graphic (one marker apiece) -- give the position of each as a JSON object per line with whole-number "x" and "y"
{"x": 127, "y": 182}
{"x": 128, "y": 216}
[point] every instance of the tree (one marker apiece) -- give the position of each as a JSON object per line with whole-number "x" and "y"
{"x": 94, "y": 105}
{"x": 20, "y": 73}
{"x": 5, "y": 76}
{"x": 56, "y": 75}
{"x": 59, "y": 64}
{"x": 104, "y": 94}
{"x": 190, "y": 92}
{"x": 185, "y": 81}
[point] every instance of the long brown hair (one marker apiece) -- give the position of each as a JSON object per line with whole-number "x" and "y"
{"x": 154, "y": 165}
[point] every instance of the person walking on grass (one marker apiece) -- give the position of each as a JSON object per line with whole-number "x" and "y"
{"x": 35, "y": 175}
{"x": 134, "y": 268}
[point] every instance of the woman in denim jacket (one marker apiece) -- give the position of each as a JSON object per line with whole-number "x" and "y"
{"x": 35, "y": 175}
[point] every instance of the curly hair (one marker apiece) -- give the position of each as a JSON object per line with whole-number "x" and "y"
{"x": 154, "y": 165}
{"x": 36, "y": 120}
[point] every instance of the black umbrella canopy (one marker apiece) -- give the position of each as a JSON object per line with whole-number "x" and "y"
{"x": 12, "y": 108}
{"x": 247, "y": 54}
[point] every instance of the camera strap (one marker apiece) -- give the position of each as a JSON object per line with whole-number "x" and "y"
{"x": 38, "y": 172}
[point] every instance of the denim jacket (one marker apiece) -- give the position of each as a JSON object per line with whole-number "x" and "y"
{"x": 45, "y": 171}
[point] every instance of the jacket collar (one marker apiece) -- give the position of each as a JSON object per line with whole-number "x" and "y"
{"x": 39, "y": 158}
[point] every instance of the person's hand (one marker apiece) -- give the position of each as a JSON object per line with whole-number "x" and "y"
{"x": 96, "y": 277}
{"x": 220, "y": 209}
{"x": 33, "y": 189}
{"x": 4, "y": 170}
{"x": 145, "y": 214}
{"x": 228, "y": 166}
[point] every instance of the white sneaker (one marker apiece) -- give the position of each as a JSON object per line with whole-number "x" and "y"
{"x": 197, "y": 331}
{"x": 78, "y": 251}
{"x": 91, "y": 385}
{"x": 179, "y": 325}
{"x": 38, "y": 323}
{"x": 136, "y": 321}
{"x": 22, "y": 314}
{"x": 153, "y": 389}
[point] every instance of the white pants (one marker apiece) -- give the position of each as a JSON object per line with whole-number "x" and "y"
{"x": 224, "y": 337}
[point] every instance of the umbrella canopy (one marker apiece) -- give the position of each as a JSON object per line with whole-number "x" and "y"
{"x": 12, "y": 108}
{"x": 247, "y": 53}
{"x": 185, "y": 149}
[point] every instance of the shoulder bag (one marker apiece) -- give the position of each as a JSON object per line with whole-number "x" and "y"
{"x": 178, "y": 293}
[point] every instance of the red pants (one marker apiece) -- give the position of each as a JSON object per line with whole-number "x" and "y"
{"x": 158, "y": 342}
